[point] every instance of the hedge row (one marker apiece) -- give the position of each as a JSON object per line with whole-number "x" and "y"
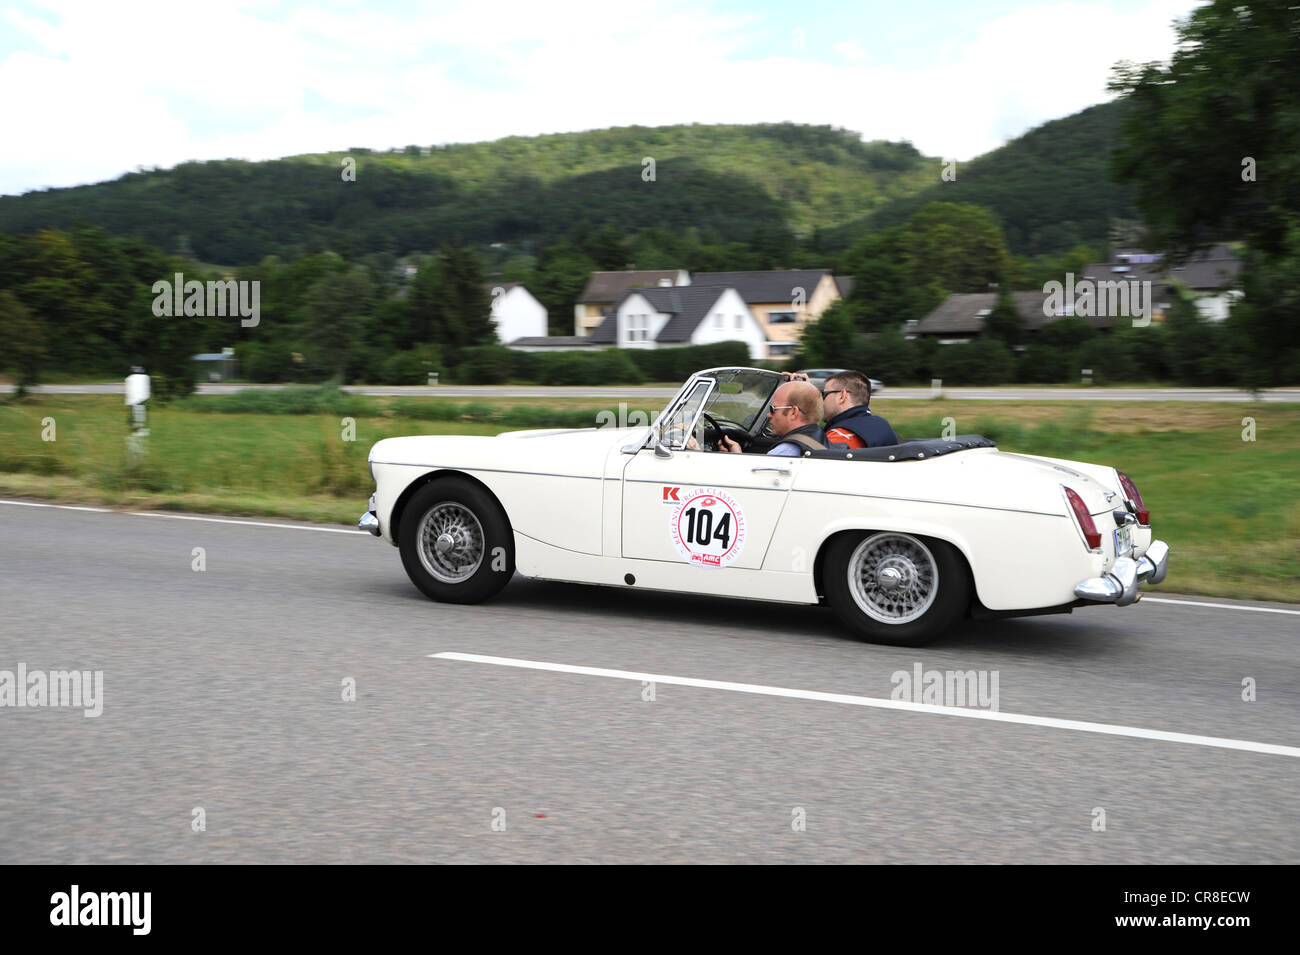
{"x": 495, "y": 364}
{"x": 1200, "y": 353}
{"x": 490, "y": 364}
{"x": 328, "y": 399}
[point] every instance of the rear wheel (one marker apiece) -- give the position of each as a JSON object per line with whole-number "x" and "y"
{"x": 456, "y": 542}
{"x": 895, "y": 588}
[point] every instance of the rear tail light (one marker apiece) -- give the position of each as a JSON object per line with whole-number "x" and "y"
{"x": 1133, "y": 494}
{"x": 1083, "y": 519}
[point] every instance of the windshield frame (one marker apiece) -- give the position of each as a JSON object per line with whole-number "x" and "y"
{"x": 652, "y": 435}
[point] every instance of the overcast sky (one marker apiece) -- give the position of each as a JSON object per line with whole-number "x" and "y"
{"x": 96, "y": 88}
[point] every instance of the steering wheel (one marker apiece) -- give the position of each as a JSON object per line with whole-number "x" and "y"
{"x": 716, "y": 431}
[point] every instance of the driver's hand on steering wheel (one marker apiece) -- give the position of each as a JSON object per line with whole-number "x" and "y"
{"x": 727, "y": 444}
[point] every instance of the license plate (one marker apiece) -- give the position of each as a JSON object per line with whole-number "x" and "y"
{"x": 1123, "y": 541}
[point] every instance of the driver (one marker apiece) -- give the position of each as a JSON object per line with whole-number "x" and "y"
{"x": 796, "y": 409}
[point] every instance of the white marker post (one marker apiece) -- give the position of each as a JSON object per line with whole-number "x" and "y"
{"x": 137, "y": 393}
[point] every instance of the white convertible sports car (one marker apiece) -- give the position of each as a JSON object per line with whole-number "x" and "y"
{"x": 901, "y": 541}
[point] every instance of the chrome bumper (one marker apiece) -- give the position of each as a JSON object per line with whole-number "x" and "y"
{"x": 370, "y": 520}
{"x": 1120, "y": 585}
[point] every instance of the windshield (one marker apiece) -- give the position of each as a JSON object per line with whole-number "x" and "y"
{"x": 735, "y": 395}
{"x": 741, "y": 394}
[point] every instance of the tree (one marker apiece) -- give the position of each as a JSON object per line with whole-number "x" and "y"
{"x": 1068, "y": 333}
{"x": 336, "y": 310}
{"x": 23, "y": 335}
{"x": 888, "y": 356}
{"x": 450, "y": 304}
{"x": 1233, "y": 82}
{"x": 1219, "y": 123}
{"x": 1197, "y": 355}
{"x": 1005, "y": 323}
{"x": 889, "y": 288}
{"x": 562, "y": 272}
{"x": 958, "y": 244}
{"x": 831, "y": 339}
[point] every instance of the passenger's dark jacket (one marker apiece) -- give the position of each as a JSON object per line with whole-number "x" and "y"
{"x": 873, "y": 431}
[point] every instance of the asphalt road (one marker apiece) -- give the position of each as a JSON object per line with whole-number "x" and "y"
{"x": 222, "y": 689}
{"x": 622, "y": 392}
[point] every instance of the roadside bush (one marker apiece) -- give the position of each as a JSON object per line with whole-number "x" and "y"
{"x": 1110, "y": 359}
{"x": 526, "y": 366}
{"x": 325, "y": 399}
{"x": 888, "y": 356}
{"x": 277, "y": 362}
{"x": 1066, "y": 333}
{"x": 984, "y": 361}
{"x": 1148, "y": 348}
{"x": 611, "y": 366}
{"x": 486, "y": 364}
{"x": 927, "y": 359}
{"x": 411, "y": 367}
{"x": 676, "y": 364}
{"x": 1046, "y": 364}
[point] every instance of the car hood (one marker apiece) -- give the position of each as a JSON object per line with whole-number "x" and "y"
{"x": 575, "y": 451}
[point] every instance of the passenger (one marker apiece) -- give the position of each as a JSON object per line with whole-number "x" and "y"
{"x": 796, "y": 409}
{"x": 849, "y": 422}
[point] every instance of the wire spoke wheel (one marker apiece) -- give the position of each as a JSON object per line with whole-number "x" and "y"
{"x": 893, "y": 578}
{"x": 450, "y": 542}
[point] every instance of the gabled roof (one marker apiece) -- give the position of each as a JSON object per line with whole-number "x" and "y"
{"x": 605, "y": 287}
{"x": 844, "y": 285}
{"x": 606, "y": 333}
{"x": 960, "y": 314}
{"x": 1212, "y": 269}
{"x": 765, "y": 288}
{"x": 687, "y": 304}
{"x": 504, "y": 286}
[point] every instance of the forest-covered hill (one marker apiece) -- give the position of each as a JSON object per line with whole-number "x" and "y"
{"x": 823, "y": 186}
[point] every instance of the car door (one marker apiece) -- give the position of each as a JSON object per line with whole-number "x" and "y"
{"x": 708, "y": 508}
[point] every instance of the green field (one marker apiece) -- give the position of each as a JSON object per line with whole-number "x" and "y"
{"x": 1229, "y": 508}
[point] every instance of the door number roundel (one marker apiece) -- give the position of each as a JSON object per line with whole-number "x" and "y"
{"x": 707, "y": 527}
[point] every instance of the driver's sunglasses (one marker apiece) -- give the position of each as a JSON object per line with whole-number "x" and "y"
{"x": 775, "y": 408}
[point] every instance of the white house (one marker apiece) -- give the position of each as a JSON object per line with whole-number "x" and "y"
{"x": 681, "y": 315}
{"x": 515, "y": 313}
{"x": 604, "y": 289}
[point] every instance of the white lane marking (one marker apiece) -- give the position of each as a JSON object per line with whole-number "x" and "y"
{"x": 225, "y": 520}
{"x": 1198, "y": 603}
{"x": 64, "y": 507}
{"x": 190, "y": 517}
{"x": 1046, "y": 721}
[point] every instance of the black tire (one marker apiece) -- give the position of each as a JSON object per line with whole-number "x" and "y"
{"x": 932, "y": 591}
{"x": 478, "y": 558}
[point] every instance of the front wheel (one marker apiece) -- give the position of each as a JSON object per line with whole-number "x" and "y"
{"x": 456, "y": 542}
{"x": 895, "y": 588}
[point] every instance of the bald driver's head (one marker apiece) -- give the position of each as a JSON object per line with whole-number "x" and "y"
{"x": 795, "y": 404}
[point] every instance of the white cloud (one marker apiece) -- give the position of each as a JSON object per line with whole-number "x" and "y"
{"x": 850, "y": 51}
{"x": 116, "y": 86}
